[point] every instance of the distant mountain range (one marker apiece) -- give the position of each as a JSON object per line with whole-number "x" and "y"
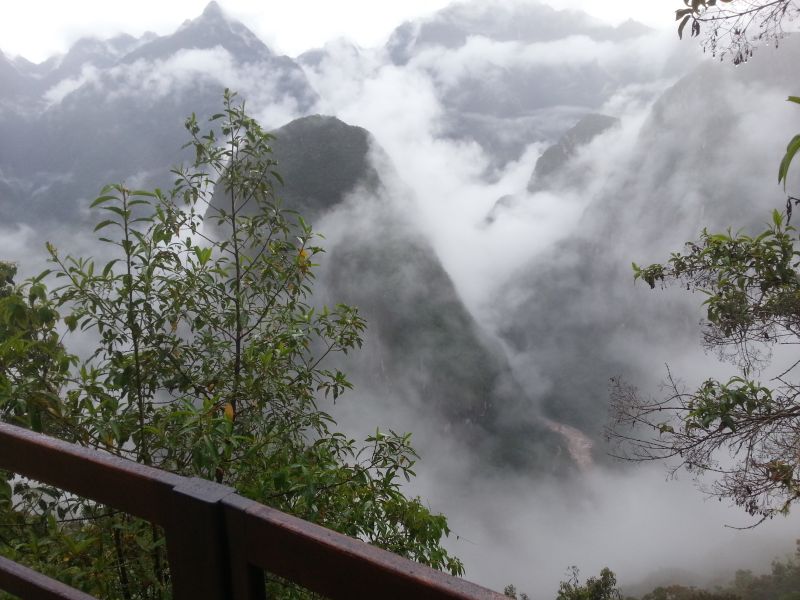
{"x": 507, "y": 75}
{"x": 515, "y": 89}
{"x": 111, "y": 111}
{"x": 706, "y": 156}
{"x": 530, "y": 22}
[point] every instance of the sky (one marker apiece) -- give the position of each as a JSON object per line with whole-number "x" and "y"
{"x": 37, "y": 29}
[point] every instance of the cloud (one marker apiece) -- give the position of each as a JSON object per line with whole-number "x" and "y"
{"x": 480, "y": 54}
{"x": 15, "y": 242}
{"x": 641, "y": 525}
{"x": 554, "y": 270}
{"x": 549, "y": 281}
{"x": 267, "y": 89}
{"x": 56, "y": 93}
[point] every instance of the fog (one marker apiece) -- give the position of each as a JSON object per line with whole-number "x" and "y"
{"x": 524, "y": 528}
{"x": 545, "y": 284}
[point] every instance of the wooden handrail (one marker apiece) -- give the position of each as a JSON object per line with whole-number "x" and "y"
{"x": 330, "y": 563}
{"x": 27, "y": 583}
{"x": 129, "y": 486}
{"x": 218, "y": 543}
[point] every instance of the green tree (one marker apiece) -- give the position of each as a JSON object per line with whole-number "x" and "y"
{"x": 33, "y": 362}
{"x": 602, "y": 588}
{"x": 752, "y": 289}
{"x": 595, "y": 588}
{"x": 207, "y": 360}
{"x": 680, "y": 592}
{"x": 781, "y": 583}
{"x": 510, "y": 591}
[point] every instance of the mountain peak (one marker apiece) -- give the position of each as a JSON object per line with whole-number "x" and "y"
{"x": 211, "y": 29}
{"x": 213, "y": 11}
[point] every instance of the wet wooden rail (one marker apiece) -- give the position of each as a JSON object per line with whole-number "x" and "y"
{"x": 218, "y": 543}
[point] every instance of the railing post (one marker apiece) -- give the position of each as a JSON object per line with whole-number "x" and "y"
{"x": 197, "y": 544}
{"x": 247, "y": 580}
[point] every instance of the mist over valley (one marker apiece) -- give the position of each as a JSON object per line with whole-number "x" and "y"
{"x": 483, "y": 182}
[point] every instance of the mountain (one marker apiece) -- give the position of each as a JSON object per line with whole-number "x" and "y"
{"x": 322, "y": 159}
{"x": 706, "y": 156}
{"x": 501, "y": 21}
{"x": 424, "y": 351}
{"x": 513, "y": 73}
{"x": 12, "y": 82}
{"x": 553, "y": 160}
{"x": 110, "y": 110}
{"x": 85, "y": 53}
{"x": 552, "y": 169}
{"x": 332, "y": 50}
{"x": 211, "y": 29}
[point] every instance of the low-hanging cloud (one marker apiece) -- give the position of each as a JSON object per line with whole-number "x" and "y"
{"x": 548, "y": 280}
{"x": 514, "y": 528}
{"x": 480, "y": 54}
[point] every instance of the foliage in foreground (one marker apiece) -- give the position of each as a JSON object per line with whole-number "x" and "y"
{"x": 734, "y": 27}
{"x": 205, "y": 358}
{"x": 752, "y": 290}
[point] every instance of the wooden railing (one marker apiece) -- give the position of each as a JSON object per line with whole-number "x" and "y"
{"x": 218, "y": 543}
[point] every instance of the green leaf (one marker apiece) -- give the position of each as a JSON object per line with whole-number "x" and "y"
{"x": 71, "y": 322}
{"x": 203, "y": 254}
{"x": 105, "y": 223}
{"x": 791, "y": 150}
{"x": 181, "y": 348}
{"x": 109, "y": 265}
{"x": 118, "y": 211}
{"x": 102, "y": 200}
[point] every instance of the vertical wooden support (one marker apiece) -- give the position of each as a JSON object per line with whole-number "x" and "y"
{"x": 247, "y": 580}
{"x": 197, "y": 544}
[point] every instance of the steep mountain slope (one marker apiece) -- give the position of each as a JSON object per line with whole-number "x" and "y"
{"x": 575, "y": 313}
{"x": 111, "y": 111}
{"x": 553, "y": 160}
{"x": 11, "y": 80}
{"x": 211, "y": 29}
{"x": 554, "y": 169}
{"x": 424, "y": 350}
{"x": 323, "y": 159}
{"x": 511, "y": 73}
{"x": 533, "y": 21}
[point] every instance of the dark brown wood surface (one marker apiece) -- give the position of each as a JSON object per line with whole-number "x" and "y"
{"x": 30, "y": 585}
{"x": 128, "y": 486}
{"x": 218, "y": 543}
{"x": 335, "y": 565}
